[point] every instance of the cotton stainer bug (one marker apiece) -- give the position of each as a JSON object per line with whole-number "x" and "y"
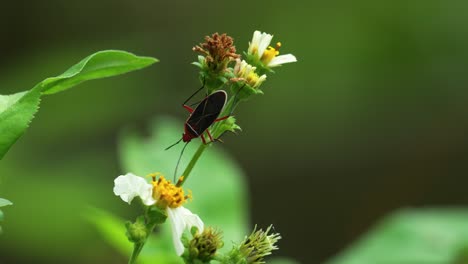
{"x": 201, "y": 118}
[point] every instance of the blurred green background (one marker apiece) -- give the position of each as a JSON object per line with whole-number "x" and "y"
{"x": 371, "y": 118}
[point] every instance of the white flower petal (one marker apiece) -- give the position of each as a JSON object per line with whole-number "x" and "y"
{"x": 260, "y": 80}
{"x": 129, "y": 186}
{"x": 237, "y": 67}
{"x": 181, "y": 219}
{"x": 177, "y": 226}
{"x": 282, "y": 59}
{"x": 192, "y": 219}
{"x": 255, "y": 41}
{"x": 264, "y": 43}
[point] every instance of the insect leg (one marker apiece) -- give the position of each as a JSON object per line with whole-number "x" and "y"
{"x": 209, "y": 135}
{"x": 190, "y": 109}
{"x": 222, "y": 118}
{"x": 203, "y": 139}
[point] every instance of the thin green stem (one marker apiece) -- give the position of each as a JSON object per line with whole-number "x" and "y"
{"x": 192, "y": 162}
{"x": 138, "y": 246}
{"x": 136, "y": 251}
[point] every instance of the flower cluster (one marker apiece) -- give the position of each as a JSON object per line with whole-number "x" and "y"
{"x": 249, "y": 74}
{"x": 163, "y": 200}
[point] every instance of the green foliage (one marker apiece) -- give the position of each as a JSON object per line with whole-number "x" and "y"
{"x": 282, "y": 261}
{"x": 111, "y": 228}
{"x": 17, "y": 110}
{"x": 430, "y": 236}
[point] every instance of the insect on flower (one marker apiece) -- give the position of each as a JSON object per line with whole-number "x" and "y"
{"x": 201, "y": 118}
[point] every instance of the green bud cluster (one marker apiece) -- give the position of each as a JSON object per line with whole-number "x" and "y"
{"x": 203, "y": 246}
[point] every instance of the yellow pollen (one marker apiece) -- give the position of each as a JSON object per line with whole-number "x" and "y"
{"x": 167, "y": 194}
{"x": 278, "y": 46}
{"x": 270, "y": 53}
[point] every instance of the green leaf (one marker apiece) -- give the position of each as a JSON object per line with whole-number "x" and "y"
{"x": 430, "y": 236}
{"x": 216, "y": 181}
{"x": 8, "y": 100}
{"x": 4, "y": 202}
{"x": 98, "y": 65}
{"x": 111, "y": 228}
{"x": 17, "y": 110}
{"x": 15, "y": 117}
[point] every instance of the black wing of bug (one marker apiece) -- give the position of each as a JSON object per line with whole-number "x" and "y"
{"x": 207, "y": 111}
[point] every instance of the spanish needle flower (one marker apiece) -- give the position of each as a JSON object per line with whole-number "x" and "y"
{"x": 218, "y": 51}
{"x": 246, "y": 72}
{"x": 254, "y": 248}
{"x": 164, "y": 195}
{"x": 246, "y": 80}
{"x": 260, "y": 52}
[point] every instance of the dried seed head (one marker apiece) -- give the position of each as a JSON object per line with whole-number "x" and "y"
{"x": 218, "y": 50}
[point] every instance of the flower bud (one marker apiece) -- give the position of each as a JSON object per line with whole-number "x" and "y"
{"x": 254, "y": 248}
{"x": 203, "y": 247}
{"x": 137, "y": 232}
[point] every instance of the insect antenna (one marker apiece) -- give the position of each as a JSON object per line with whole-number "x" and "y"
{"x": 236, "y": 98}
{"x": 178, "y": 161}
{"x": 174, "y": 144}
{"x": 197, "y": 91}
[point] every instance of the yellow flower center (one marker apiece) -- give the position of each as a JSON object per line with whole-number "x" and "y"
{"x": 270, "y": 53}
{"x": 168, "y": 194}
{"x": 252, "y": 78}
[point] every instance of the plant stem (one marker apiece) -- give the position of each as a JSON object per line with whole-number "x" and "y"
{"x": 136, "y": 251}
{"x": 193, "y": 161}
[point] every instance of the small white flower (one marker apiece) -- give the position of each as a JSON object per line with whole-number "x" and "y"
{"x": 259, "y": 47}
{"x": 247, "y": 72}
{"x": 129, "y": 186}
{"x": 260, "y": 41}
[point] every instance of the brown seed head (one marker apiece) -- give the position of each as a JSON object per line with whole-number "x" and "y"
{"x": 218, "y": 50}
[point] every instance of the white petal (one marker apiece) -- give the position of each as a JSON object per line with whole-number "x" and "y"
{"x": 237, "y": 67}
{"x": 129, "y": 186}
{"x": 192, "y": 219}
{"x": 282, "y": 59}
{"x": 264, "y": 43}
{"x": 260, "y": 80}
{"x": 177, "y": 225}
{"x": 255, "y": 41}
{"x": 181, "y": 219}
